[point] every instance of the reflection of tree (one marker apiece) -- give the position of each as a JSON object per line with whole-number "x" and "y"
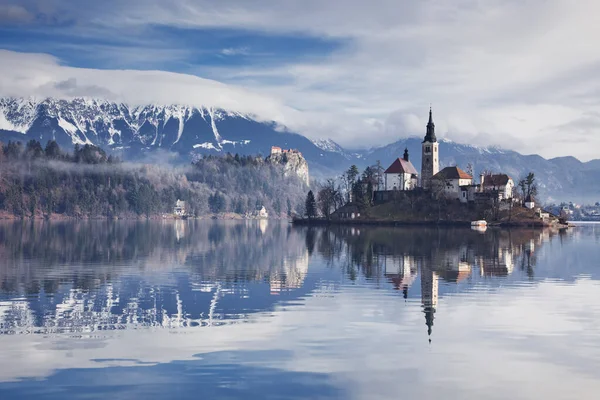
{"x": 452, "y": 251}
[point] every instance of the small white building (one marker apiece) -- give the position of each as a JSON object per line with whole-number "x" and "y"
{"x": 450, "y": 180}
{"x": 529, "y": 203}
{"x": 501, "y": 183}
{"x": 401, "y": 175}
{"x": 180, "y": 208}
{"x": 261, "y": 212}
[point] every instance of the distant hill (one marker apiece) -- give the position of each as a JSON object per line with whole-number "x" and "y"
{"x": 134, "y": 132}
{"x": 560, "y": 179}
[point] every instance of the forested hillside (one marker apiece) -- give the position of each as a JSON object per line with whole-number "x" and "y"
{"x": 37, "y": 181}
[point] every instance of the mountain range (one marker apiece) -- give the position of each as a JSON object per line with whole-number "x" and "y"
{"x": 134, "y": 132}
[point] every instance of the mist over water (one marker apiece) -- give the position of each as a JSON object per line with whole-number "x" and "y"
{"x": 262, "y": 309}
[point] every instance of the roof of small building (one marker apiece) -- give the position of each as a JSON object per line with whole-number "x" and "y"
{"x": 496, "y": 180}
{"x": 452, "y": 173}
{"x": 400, "y": 166}
{"x": 349, "y": 208}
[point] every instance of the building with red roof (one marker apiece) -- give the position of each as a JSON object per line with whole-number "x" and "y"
{"x": 450, "y": 180}
{"x": 401, "y": 175}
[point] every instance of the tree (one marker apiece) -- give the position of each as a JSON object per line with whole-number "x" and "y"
{"x": 370, "y": 176}
{"x": 310, "y": 205}
{"x": 379, "y": 174}
{"x": 469, "y": 169}
{"x": 326, "y": 198}
{"x": 439, "y": 185}
{"x": 359, "y": 195}
{"x": 13, "y": 150}
{"x": 289, "y": 207}
{"x": 217, "y": 203}
{"x": 277, "y": 206}
{"x": 52, "y": 149}
{"x": 528, "y": 186}
{"x": 369, "y": 194}
{"x": 349, "y": 178}
{"x": 34, "y": 150}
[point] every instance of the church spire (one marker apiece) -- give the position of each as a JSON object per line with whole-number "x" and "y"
{"x": 406, "y": 154}
{"x": 430, "y": 136}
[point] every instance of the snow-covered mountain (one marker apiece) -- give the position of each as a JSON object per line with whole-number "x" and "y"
{"x": 134, "y": 131}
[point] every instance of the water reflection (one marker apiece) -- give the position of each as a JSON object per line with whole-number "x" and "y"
{"x": 96, "y": 276}
{"x": 247, "y": 310}
{"x": 454, "y": 255}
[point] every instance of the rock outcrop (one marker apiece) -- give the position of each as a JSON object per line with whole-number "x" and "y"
{"x": 292, "y": 161}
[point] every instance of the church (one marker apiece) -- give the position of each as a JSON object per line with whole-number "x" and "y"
{"x": 452, "y": 181}
{"x": 402, "y": 175}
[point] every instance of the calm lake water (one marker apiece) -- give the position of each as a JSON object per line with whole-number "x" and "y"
{"x": 257, "y": 310}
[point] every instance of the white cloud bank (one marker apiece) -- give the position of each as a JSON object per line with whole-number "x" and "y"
{"x": 519, "y": 74}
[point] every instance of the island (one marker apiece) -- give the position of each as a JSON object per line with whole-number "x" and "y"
{"x": 400, "y": 195}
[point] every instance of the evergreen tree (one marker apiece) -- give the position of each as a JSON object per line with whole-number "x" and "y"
{"x": 310, "y": 205}
{"x": 289, "y": 207}
{"x": 34, "y": 150}
{"x": 277, "y": 206}
{"x": 52, "y": 149}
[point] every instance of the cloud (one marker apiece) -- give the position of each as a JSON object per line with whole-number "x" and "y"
{"x": 42, "y": 76}
{"x": 493, "y": 76}
{"x": 232, "y": 51}
{"x": 11, "y": 13}
{"x": 70, "y": 88}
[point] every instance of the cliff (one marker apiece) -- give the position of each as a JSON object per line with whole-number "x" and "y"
{"x": 293, "y": 164}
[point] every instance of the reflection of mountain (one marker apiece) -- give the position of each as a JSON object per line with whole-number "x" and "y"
{"x": 78, "y": 277}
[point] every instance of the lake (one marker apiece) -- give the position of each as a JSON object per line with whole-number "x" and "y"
{"x": 265, "y": 310}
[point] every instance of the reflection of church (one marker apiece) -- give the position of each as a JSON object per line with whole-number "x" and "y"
{"x": 401, "y": 271}
{"x": 429, "y": 295}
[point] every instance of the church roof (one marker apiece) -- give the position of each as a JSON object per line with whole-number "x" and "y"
{"x": 496, "y": 180}
{"x": 452, "y": 173}
{"x": 430, "y": 135}
{"x": 400, "y": 166}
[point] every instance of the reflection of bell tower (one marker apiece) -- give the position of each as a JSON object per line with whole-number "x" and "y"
{"x": 430, "y": 157}
{"x": 429, "y": 296}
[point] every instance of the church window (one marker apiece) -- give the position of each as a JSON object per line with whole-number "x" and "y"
{"x": 427, "y": 159}
{"x": 427, "y": 149}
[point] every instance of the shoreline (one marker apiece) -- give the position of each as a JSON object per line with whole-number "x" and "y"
{"x": 61, "y": 217}
{"x": 399, "y": 223}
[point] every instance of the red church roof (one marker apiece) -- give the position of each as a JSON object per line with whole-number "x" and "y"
{"x": 400, "y": 166}
{"x": 453, "y": 173}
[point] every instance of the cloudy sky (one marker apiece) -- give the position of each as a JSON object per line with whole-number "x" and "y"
{"x": 521, "y": 74}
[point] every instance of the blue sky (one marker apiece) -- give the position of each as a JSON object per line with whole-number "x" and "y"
{"x": 518, "y": 74}
{"x": 177, "y": 49}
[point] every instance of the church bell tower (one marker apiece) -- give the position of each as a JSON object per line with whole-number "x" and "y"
{"x": 430, "y": 156}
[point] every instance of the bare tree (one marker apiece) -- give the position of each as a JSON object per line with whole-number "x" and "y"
{"x": 439, "y": 185}
{"x": 326, "y": 198}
